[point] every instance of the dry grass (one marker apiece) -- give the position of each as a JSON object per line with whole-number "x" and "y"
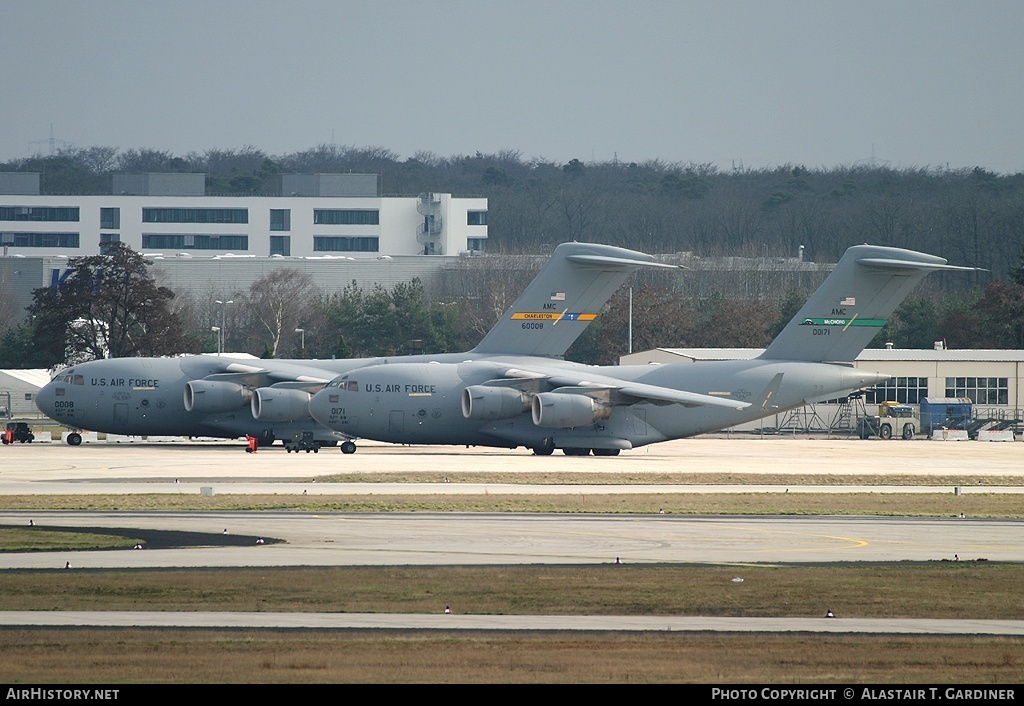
{"x": 39, "y": 540}
{"x": 604, "y": 476}
{"x": 886, "y": 504}
{"x": 89, "y": 656}
{"x": 970, "y": 590}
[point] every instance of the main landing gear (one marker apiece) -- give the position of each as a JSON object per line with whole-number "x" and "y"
{"x": 586, "y": 452}
{"x": 546, "y": 447}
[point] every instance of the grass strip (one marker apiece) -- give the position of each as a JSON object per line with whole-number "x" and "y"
{"x": 968, "y": 590}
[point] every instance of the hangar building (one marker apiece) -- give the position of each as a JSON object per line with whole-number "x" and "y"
{"x": 991, "y": 379}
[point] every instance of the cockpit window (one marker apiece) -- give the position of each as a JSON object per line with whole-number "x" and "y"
{"x": 351, "y": 386}
{"x": 78, "y": 380}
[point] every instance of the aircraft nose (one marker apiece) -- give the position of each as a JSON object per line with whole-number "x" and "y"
{"x": 316, "y": 405}
{"x": 45, "y": 399}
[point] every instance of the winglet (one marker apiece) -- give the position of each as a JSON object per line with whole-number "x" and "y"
{"x": 770, "y": 390}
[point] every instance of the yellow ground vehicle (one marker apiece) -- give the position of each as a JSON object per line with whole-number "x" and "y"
{"x": 899, "y": 420}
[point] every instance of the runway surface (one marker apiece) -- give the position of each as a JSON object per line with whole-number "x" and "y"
{"x": 340, "y": 539}
{"x": 550, "y": 623}
{"x": 391, "y": 539}
{"x": 747, "y": 457}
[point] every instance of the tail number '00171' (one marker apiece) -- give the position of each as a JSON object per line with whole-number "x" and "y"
{"x": 533, "y": 325}
{"x": 821, "y": 332}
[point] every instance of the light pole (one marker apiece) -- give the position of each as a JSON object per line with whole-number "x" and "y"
{"x": 216, "y": 330}
{"x": 220, "y": 335}
{"x": 302, "y": 332}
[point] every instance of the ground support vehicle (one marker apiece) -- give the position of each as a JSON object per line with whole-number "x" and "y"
{"x": 899, "y": 420}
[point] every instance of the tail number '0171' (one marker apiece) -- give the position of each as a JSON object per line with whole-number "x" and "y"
{"x": 821, "y": 332}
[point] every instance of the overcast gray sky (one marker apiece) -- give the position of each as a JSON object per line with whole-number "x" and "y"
{"x": 912, "y": 83}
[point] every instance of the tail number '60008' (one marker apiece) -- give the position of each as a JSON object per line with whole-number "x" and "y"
{"x": 533, "y": 325}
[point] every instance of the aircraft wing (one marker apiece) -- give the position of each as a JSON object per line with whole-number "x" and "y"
{"x": 269, "y": 378}
{"x": 272, "y": 386}
{"x": 620, "y": 391}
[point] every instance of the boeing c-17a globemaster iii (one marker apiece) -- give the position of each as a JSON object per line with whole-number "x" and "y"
{"x": 513, "y": 389}
{"x": 494, "y": 399}
{"x": 226, "y": 397}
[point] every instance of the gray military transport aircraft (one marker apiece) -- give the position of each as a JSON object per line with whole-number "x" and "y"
{"x": 495, "y": 399}
{"x": 229, "y": 397}
{"x": 513, "y": 389}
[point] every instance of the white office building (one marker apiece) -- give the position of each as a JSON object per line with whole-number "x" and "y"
{"x": 316, "y": 215}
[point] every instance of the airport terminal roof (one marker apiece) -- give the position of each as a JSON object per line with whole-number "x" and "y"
{"x": 878, "y": 354}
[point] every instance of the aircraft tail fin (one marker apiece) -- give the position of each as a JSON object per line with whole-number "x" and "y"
{"x": 563, "y": 299}
{"x": 853, "y": 303}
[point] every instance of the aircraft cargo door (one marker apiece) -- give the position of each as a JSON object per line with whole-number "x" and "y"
{"x": 396, "y": 423}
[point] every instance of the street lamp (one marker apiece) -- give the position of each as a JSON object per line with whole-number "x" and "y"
{"x": 216, "y": 330}
{"x": 222, "y": 329}
{"x": 302, "y": 331}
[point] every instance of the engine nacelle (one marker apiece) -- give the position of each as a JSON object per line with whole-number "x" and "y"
{"x": 272, "y": 404}
{"x": 207, "y": 396}
{"x": 557, "y": 410}
{"x": 485, "y": 402}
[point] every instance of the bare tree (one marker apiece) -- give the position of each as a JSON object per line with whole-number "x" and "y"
{"x": 274, "y": 307}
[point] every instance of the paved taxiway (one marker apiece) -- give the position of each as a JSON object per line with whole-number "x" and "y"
{"x": 341, "y": 539}
{"x": 337, "y": 621}
{"x": 746, "y": 456}
{"x": 335, "y": 539}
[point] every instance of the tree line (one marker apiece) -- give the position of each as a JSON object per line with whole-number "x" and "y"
{"x": 974, "y": 217}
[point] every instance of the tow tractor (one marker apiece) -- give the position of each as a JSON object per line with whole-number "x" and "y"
{"x": 302, "y": 441}
{"x": 893, "y": 419}
{"x": 18, "y": 431}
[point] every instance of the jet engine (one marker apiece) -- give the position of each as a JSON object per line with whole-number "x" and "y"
{"x": 485, "y": 402}
{"x": 557, "y": 410}
{"x": 273, "y": 404}
{"x": 208, "y": 396}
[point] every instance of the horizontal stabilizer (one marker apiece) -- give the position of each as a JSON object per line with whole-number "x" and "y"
{"x": 606, "y": 261}
{"x": 886, "y": 263}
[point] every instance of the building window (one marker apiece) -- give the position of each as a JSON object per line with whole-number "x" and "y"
{"x": 346, "y": 217}
{"x": 110, "y": 218}
{"x": 39, "y": 240}
{"x": 280, "y": 219}
{"x": 902, "y": 390}
{"x": 170, "y": 241}
{"x": 476, "y": 244}
{"x": 345, "y": 244}
{"x": 281, "y": 245}
{"x": 980, "y": 390}
{"x": 476, "y": 218}
{"x": 195, "y": 215}
{"x": 38, "y": 213}
{"x": 105, "y": 241}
